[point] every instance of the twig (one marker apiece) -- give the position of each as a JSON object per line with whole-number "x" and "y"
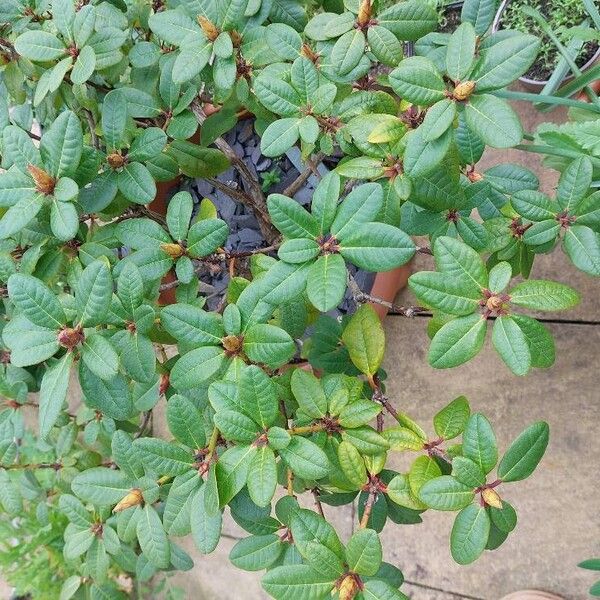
{"x": 7, "y": 46}
{"x": 92, "y": 126}
{"x": 34, "y": 136}
{"x": 315, "y": 493}
{"x": 255, "y": 198}
{"x": 143, "y": 425}
{"x": 361, "y": 297}
{"x": 368, "y": 508}
{"x": 313, "y": 163}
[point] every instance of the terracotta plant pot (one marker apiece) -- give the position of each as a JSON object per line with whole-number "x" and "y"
{"x": 387, "y": 285}
{"x": 533, "y": 85}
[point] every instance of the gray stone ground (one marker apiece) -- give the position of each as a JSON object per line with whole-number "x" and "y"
{"x": 558, "y": 506}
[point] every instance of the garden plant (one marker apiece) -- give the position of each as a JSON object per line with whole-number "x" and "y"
{"x": 277, "y": 412}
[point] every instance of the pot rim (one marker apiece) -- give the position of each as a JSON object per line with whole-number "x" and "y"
{"x": 536, "y": 82}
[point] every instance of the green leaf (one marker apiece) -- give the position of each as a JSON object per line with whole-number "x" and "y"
{"x": 262, "y": 476}
{"x": 101, "y": 486}
{"x": 533, "y": 205}
{"x": 326, "y": 283}
{"x": 283, "y": 282}
{"x": 291, "y": 582}
{"x": 236, "y": 426}
{"x": 480, "y": 13}
{"x": 99, "y": 356}
{"x": 191, "y": 60}
{"x": 39, "y": 46}
{"x": 539, "y": 340}
{"x": 298, "y": 250}
{"x": 153, "y": 539}
{"x": 36, "y": 301}
{"x": 179, "y": 215}
{"x": 540, "y": 294}
{"x": 280, "y": 136}
{"x": 114, "y": 119}
{"x": 504, "y": 61}
{"x": 277, "y": 95}
{"x": 457, "y": 342}
{"x": 363, "y": 552}
{"x": 196, "y": 367}
{"x": 206, "y": 529}
{"x": 377, "y": 247}
{"x": 256, "y": 552}
{"x": 61, "y": 145}
{"x": 438, "y": 119}
{"x": 305, "y": 458}
{"x": 290, "y": 218}
{"x": 446, "y": 493}
{"x": 111, "y": 397}
{"x": 467, "y": 472}
{"x": 409, "y": 20}
{"x": 464, "y": 264}
{"x": 460, "y": 53}
{"x": 206, "y": 236}
{"x": 469, "y": 534}
{"x": 541, "y": 233}
{"x": 284, "y": 40}
{"x": 524, "y": 454}
{"x": 384, "y": 45}
{"x": 53, "y": 392}
{"x": 268, "y": 344}
{"x": 417, "y": 80}
{"x": 493, "y": 120}
{"x": 357, "y": 413}
{"x": 479, "y": 443}
{"x": 136, "y": 183}
{"x": 185, "y": 422}
{"x": 583, "y": 247}
{"x": 20, "y": 214}
{"x": 191, "y": 325}
{"x": 361, "y": 205}
{"x": 451, "y": 420}
{"x": 195, "y": 161}
{"x": 505, "y": 518}
{"x": 258, "y": 396}
{"x": 365, "y": 340}
{"x": 399, "y": 492}
{"x": 64, "y": 220}
{"x": 84, "y": 66}
{"x": 376, "y": 589}
{"x": 574, "y": 183}
{"x": 93, "y": 294}
{"x": 442, "y": 292}
{"x": 352, "y": 464}
{"x": 511, "y": 343}
{"x": 163, "y": 457}
{"x": 309, "y": 394}
{"x": 347, "y": 51}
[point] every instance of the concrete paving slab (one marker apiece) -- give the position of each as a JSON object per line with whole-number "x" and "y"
{"x": 558, "y": 516}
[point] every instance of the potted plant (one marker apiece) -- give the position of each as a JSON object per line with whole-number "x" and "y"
{"x": 99, "y": 102}
{"x": 560, "y": 17}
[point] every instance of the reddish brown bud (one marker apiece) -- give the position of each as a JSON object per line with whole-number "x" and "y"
{"x": 69, "y": 337}
{"x": 232, "y": 343}
{"x": 115, "y": 160}
{"x": 491, "y": 498}
{"x": 173, "y": 250}
{"x": 463, "y": 90}
{"x": 209, "y": 28}
{"x": 44, "y": 182}
{"x": 134, "y": 498}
